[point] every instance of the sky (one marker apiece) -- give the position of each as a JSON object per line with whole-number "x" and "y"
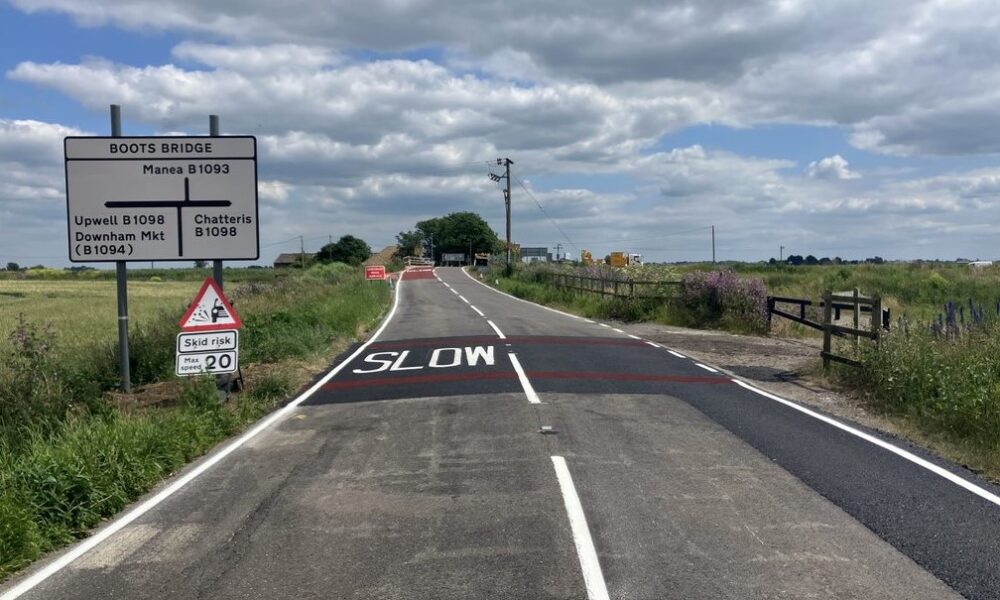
{"x": 835, "y": 128}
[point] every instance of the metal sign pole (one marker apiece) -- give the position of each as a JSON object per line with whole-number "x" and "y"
{"x": 213, "y": 130}
{"x": 121, "y": 269}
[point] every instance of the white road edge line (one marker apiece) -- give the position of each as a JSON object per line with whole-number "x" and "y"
{"x": 634, "y": 337}
{"x": 616, "y": 329}
{"x": 479, "y": 312}
{"x": 968, "y": 485}
{"x": 495, "y": 328}
{"x": 677, "y": 354}
{"x": 653, "y": 344}
{"x": 120, "y": 523}
{"x": 593, "y": 577}
{"x": 529, "y": 391}
{"x": 707, "y": 368}
{"x": 548, "y": 308}
{"x": 605, "y": 325}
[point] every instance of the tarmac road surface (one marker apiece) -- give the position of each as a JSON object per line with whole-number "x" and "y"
{"x": 484, "y": 447}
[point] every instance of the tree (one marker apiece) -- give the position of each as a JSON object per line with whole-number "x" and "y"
{"x": 13, "y": 266}
{"x": 812, "y": 260}
{"x": 795, "y": 259}
{"x": 200, "y": 264}
{"x": 348, "y": 249}
{"x": 410, "y": 243}
{"x": 459, "y": 233}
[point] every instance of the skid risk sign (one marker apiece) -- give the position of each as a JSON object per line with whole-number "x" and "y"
{"x": 161, "y": 198}
{"x": 207, "y": 352}
{"x": 210, "y": 311}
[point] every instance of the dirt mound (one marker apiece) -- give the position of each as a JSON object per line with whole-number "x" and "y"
{"x": 383, "y": 256}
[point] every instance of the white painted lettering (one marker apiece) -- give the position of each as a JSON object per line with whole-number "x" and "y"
{"x": 456, "y": 358}
{"x": 472, "y": 355}
{"x": 398, "y": 365}
{"x": 382, "y": 362}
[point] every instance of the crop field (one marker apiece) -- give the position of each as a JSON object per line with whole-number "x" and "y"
{"x": 82, "y": 312}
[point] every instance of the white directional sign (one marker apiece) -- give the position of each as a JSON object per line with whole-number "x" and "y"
{"x": 162, "y": 198}
{"x": 208, "y": 352}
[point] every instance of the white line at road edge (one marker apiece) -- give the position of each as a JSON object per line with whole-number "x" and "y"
{"x": 495, "y": 328}
{"x": 593, "y": 578}
{"x": 529, "y": 391}
{"x": 968, "y": 485}
{"x": 119, "y": 524}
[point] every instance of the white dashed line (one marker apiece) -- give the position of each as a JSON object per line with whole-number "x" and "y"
{"x": 496, "y": 329}
{"x": 634, "y": 337}
{"x": 463, "y": 298}
{"x": 479, "y": 312}
{"x": 529, "y": 391}
{"x": 593, "y": 577}
{"x": 605, "y": 325}
{"x": 677, "y": 354}
{"x": 616, "y": 329}
{"x": 653, "y": 344}
{"x": 706, "y": 367}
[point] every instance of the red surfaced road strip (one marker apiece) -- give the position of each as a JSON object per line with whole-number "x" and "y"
{"x": 495, "y": 375}
{"x": 418, "y": 274}
{"x": 511, "y": 339}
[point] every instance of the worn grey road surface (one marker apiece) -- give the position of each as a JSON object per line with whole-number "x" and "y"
{"x": 419, "y": 471}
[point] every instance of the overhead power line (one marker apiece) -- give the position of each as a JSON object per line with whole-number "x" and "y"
{"x": 545, "y": 212}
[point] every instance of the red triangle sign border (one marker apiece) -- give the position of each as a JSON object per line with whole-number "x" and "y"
{"x": 210, "y": 283}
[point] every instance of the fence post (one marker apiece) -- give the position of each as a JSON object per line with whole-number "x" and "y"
{"x": 827, "y": 323}
{"x": 857, "y": 318}
{"x": 631, "y": 287}
{"x": 876, "y": 318}
{"x": 770, "y": 310}
{"x": 616, "y": 288}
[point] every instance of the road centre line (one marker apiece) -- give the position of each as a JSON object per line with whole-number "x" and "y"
{"x": 496, "y": 329}
{"x": 959, "y": 481}
{"x": 707, "y": 368}
{"x": 593, "y": 577}
{"x": 479, "y": 312}
{"x": 529, "y": 390}
{"x": 463, "y": 298}
{"x": 118, "y": 524}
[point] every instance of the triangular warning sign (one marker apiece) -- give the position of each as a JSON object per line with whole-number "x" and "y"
{"x": 210, "y": 310}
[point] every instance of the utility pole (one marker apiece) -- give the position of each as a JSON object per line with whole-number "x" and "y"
{"x": 506, "y": 162}
{"x": 302, "y": 252}
{"x": 558, "y": 248}
{"x": 781, "y": 254}
{"x": 713, "y": 244}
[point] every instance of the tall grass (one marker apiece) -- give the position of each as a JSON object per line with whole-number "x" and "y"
{"x": 948, "y": 385}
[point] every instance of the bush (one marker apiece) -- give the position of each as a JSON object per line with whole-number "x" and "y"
{"x": 722, "y": 299}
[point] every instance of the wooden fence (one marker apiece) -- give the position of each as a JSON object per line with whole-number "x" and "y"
{"x": 620, "y": 288}
{"x": 833, "y": 304}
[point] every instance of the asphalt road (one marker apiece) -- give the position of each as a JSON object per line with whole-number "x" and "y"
{"x": 485, "y": 447}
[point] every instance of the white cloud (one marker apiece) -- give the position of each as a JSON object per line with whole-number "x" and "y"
{"x": 831, "y": 167}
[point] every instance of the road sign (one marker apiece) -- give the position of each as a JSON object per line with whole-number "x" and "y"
{"x": 449, "y": 257}
{"x": 207, "y": 352}
{"x": 374, "y": 272}
{"x": 210, "y": 310}
{"x": 161, "y": 198}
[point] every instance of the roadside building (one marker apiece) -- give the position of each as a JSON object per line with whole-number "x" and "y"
{"x": 530, "y": 255}
{"x": 293, "y": 260}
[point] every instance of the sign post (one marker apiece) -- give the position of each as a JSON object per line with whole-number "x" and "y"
{"x": 121, "y": 278}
